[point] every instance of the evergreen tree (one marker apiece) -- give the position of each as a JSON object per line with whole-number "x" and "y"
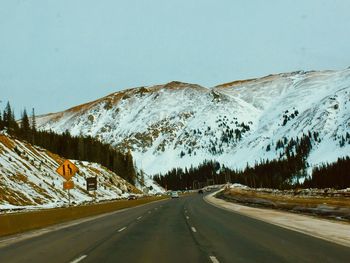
{"x": 9, "y": 120}
{"x": 335, "y": 175}
{"x": 25, "y": 126}
{"x": 13, "y": 124}
{"x": 130, "y": 171}
{"x": 33, "y": 124}
{"x": 7, "y": 115}
{"x": 81, "y": 148}
{"x": 1, "y": 122}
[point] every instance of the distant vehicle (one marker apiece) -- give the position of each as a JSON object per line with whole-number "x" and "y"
{"x": 200, "y": 191}
{"x": 174, "y": 195}
{"x": 132, "y": 197}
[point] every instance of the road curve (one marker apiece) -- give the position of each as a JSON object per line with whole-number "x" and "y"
{"x": 179, "y": 230}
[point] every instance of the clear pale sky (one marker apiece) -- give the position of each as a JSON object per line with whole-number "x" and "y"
{"x": 58, "y": 54}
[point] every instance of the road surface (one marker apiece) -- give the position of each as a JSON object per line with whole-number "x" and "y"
{"x": 178, "y": 230}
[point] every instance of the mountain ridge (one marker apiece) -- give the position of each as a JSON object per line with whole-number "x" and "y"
{"x": 180, "y": 124}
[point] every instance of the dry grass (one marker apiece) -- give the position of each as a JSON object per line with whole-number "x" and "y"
{"x": 20, "y": 178}
{"x": 94, "y": 170}
{"x": 5, "y": 196}
{"x": 334, "y": 208}
{"x": 56, "y": 116}
{"x": 134, "y": 189}
{"x": 55, "y": 157}
{"x": 16, "y": 223}
{"x": 32, "y": 149}
{"x": 248, "y": 81}
{"x": 235, "y": 83}
{"x": 14, "y": 197}
{"x": 23, "y": 163}
{"x": 297, "y": 200}
{"x": 7, "y": 142}
{"x": 110, "y": 100}
{"x": 40, "y": 191}
{"x": 17, "y": 197}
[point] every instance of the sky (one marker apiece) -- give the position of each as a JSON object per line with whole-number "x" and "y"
{"x": 58, "y": 54}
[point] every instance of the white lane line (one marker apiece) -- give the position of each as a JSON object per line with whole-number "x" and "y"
{"x": 79, "y": 259}
{"x": 139, "y": 218}
{"x": 149, "y": 212}
{"x": 35, "y": 233}
{"x": 122, "y": 229}
{"x": 193, "y": 229}
{"x": 155, "y": 208}
{"x": 187, "y": 217}
{"x": 214, "y": 259}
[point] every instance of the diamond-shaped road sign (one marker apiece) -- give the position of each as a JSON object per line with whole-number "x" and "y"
{"x": 67, "y": 170}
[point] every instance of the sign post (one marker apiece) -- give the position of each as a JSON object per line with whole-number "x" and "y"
{"x": 67, "y": 170}
{"x": 67, "y": 185}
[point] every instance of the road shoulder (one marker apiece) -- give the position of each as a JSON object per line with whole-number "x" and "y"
{"x": 336, "y": 232}
{"x": 17, "y": 237}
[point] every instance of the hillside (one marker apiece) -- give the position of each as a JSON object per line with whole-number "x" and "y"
{"x": 238, "y": 123}
{"x": 28, "y": 179}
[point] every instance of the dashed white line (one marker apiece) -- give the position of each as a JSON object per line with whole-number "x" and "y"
{"x": 193, "y": 229}
{"x": 214, "y": 259}
{"x": 149, "y": 212}
{"x": 79, "y": 259}
{"x": 139, "y": 218}
{"x": 122, "y": 229}
{"x": 187, "y": 217}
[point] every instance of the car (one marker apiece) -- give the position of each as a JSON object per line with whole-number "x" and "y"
{"x": 174, "y": 194}
{"x": 132, "y": 197}
{"x": 200, "y": 191}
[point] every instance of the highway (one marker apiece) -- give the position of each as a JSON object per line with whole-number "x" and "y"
{"x": 186, "y": 229}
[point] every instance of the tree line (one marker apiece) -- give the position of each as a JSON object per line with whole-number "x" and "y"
{"x": 334, "y": 175}
{"x": 282, "y": 173}
{"x": 83, "y": 148}
{"x": 268, "y": 174}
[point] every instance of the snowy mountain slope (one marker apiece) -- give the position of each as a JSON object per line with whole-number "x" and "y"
{"x": 180, "y": 124}
{"x": 28, "y": 178}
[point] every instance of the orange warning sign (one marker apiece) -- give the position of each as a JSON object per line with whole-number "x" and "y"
{"x": 68, "y": 185}
{"x": 67, "y": 170}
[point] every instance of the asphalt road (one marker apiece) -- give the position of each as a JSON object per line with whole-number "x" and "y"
{"x": 179, "y": 230}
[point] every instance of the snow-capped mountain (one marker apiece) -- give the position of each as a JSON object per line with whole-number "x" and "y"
{"x": 180, "y": 124}
{"x": 28, "y": 178}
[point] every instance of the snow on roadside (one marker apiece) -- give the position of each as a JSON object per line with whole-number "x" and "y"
{"x": 337, "y": 232}
{"x": 28, "y": 179}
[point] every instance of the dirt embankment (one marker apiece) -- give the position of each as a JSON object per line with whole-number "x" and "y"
{"x": 326, "y": 203}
